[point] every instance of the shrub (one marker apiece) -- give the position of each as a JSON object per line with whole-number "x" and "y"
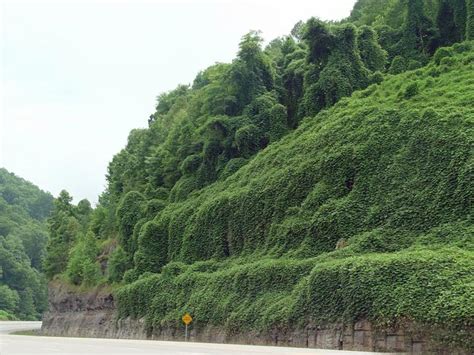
{"x": 448, "y": 61}
{"x": 152, "y": 252}
{"x": 91, "y": 273}
{"x": 153, "y": 207}
{"x": 410, "y": 90}
{"x": 414, "y": 64}
{"x": 191, "y": 164}
{"x": 376, "y": 78}
{"x": 129, "y": 212}
{"x": 117, "y": 264}
{"x": 398, "y": 65}
{"x": 4, "y": 315}
{"x": 247, "y": 139}
{"x": 9, "y": 299}
{"x": 232, "y": 166}
{"x": 441, "y": 53}
{"x": 82, "y": 266}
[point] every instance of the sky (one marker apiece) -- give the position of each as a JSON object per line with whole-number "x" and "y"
{"x": 77, "y": 76}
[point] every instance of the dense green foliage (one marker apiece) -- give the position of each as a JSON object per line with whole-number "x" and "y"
{"x": 470, "y": 20}
{"x": 414, "y": 29}
{"x": 388, "y": 171}
{"x": 323, "y": 178}
{"x": 23, "y": 237}
{"x": 70, "y": 247}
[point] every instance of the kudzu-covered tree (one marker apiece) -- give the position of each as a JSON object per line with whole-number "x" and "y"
{"x": 338, "y": 69}
{"x": 367, "y": 11}
{"x": 418, "y": 32}
{"x": 251, "y": 74}
{"x": 129, "y": 212}
{"x": 292, "y": 78}
{"x": 269, "y": 116}
{"x": 449, "y": 33}
{"x": 152, "y": 252}
{"x": 248, "y": 140}
{"x": 117, "y": 264}
{"x": 470, "y": 19}
{"x": 320, "y": 42}
{"x": 372, "y": 54}
{"x": 398, "y": 65}
{"x": 207, "y": 131}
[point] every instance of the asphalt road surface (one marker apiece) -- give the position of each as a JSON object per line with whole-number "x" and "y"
{"x": 11, "y": 344}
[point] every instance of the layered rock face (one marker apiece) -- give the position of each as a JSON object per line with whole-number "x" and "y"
{"x": 86, "y": 314}
{"x": 92, "y": 314}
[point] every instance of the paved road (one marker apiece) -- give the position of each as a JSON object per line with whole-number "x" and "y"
{"x": 37, "y": 345}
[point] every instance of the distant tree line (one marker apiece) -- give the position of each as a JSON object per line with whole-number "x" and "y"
{"x": 23, "y": 237}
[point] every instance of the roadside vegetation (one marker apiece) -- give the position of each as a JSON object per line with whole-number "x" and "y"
{"x": 324, "y": 177}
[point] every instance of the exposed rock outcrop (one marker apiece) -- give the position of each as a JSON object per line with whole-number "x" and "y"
{"x": 92, "y": 314}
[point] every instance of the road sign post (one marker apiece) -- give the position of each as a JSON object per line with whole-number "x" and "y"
{"x": 187, "y": 319}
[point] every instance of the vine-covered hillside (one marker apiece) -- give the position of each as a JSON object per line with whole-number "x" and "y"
{"x": 365, "y": 211}
{"x": 23, "y": 237}
{"x": 325, "y": 177}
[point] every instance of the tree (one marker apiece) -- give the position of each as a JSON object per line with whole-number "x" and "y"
{"x": 22, "y": 246}
{"x": 41, "y": 207}
{"x": 320, "y": 42}
{"x": 460, "y": 16}
{"x": 129, "y": 212}
{"x": 247, "y": 140}
{"x": 91, "y": 272}
{"x": 165, "y": 101}
{"x": 26, "y": 305}
{"x": 83, "y": 213}
{"x": 63, "y": 202}
{"x": 418, "y": 32}
{"x": 34, "y": 241}
{"x": 339, "y": 75}
{"x": 82, "y": 267}
{"x": 84, "y": 207}
{"x": 367, "y": 11}
{"x": 449, "y": 33}
{"x": 152, "y": 253}
{"x": 63, "y": 229}
{"x": 372, "y": 54}
{"x": 117, "y": 264}
{"x": 398, "y": 65}
{"x": 470, "y": 20}
{"x": 251, "y": 74}
{"x": 9, "y": 299}
{"x": 191, "y": 164}
{"x": 298, "y": 30}
{"x": 293, "y": 68}
{"x": 269, "y": 116}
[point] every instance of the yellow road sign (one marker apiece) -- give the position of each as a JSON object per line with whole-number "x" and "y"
{"x": 187, "y": 318}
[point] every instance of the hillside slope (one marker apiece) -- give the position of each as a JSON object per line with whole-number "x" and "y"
{"x": 314, "y": 185}
{"x": 384, "y": 177}
{"x": 23, "y": 236}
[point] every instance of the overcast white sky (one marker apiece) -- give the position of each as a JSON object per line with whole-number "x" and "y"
{"x": 77, "y": 76}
